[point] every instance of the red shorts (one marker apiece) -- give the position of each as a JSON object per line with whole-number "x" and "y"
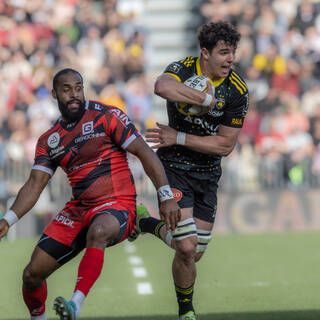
{"x": 70, "y": 225}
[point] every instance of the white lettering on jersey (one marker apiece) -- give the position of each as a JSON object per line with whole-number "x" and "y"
{"x": 87, "y": 127}
{"x": 64, "y": 220}
{"x": 121, "y": 116}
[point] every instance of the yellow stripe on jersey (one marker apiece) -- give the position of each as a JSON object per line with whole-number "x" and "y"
{"x": 174, "y": 75}
{"x": 244, "y": 84}
{"x": 199, "y": 72}
{"x": 240, "y": 83}
{"x": 188, "y": 61}
{"x": 236, "y": 85}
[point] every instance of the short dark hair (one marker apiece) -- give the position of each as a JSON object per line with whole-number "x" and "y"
{"x": 210, "y": 33}
{"x": 62, "y": 72}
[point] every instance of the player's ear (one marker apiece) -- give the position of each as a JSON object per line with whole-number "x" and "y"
{"x": 205, "y": 53}
{"x": 53, "y": 93}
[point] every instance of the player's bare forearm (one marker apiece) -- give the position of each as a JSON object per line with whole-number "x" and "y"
{"x": 150, "y": 162}
{"x": 219, "y": 145}
{"x": 30, "y": 192}
{"x": 169, "y": 88}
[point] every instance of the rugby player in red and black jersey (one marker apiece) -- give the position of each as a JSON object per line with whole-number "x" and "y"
{"x": 192, "y": 145}
{"x": 89, "y": 142}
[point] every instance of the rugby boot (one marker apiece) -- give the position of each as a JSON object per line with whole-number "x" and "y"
{"x": 142, "y": 213}
{"x": 188, "y": 316}
{"x": 66, "y": 310}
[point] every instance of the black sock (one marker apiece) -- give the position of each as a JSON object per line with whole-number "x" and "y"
{"x": 184, "y": 298}
{"x": 151, "y": 225}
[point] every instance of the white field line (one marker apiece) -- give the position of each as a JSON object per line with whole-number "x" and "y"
{"x": 138, "y": 270}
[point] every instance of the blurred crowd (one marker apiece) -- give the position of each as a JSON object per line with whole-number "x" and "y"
{"x": 279, "y": 57}
{"x": 101, "y": 39}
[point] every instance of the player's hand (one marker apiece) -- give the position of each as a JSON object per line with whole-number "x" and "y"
{"x": 170, "y": 213}
{"x": 211, "y": 92}
{"x": 163, "y": 136}
{"x": 4, "y": 228}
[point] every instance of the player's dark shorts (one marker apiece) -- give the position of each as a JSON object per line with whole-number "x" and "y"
{"x": 66, "y": 235}
{"x": 197, "y": 191}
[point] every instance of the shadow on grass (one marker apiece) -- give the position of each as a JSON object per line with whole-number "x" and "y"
{"x": 268, "y": 315}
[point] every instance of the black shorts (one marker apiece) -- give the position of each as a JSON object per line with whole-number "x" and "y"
{"x": 192, "y": 191}
{"x": 63, "y": 253}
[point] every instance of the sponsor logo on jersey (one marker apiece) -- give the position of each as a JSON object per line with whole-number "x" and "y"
{"x": 174, "y": 67}
{"x": 177, "y": 194}
{"x": 215, "y": 113}
{"x": 72, "y": 124}
{"x": 211, "y": 129}
{"x": 87, "y": 127}
{"x": 57, "y": 151}
{"x": 246, "y": 106}
{"x": 64, "y": 220}
{"x": 236, "y": 121}
{"x": 97, "y": 106}
{"x": 90, "y": 136}
{"x": 121, "y": 116}
{"x": 53, "y": 140}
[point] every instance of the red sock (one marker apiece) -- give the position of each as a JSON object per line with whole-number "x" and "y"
{"x": 36, "y": 299}
{"x": 89, "y": 269}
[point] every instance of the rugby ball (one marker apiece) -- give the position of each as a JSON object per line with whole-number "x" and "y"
{"x": 198, "y": 83}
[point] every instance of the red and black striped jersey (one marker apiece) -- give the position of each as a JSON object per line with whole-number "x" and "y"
{"x": 92, "y": 152}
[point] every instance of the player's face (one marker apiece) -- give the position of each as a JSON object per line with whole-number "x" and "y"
{"x": 219, "y": 60}
{"x": 70, "y": 96}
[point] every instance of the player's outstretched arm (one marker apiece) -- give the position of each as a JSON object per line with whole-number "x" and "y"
{"x": 169, "y": 210}
{"x": 25, "y": 200}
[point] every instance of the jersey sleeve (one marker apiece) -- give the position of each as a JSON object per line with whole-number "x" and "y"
{"x": 120, "y": 128}
{"x": 237, "y": 107}
{"x": 182, "y": 69}
{"x": 42, "y": 160}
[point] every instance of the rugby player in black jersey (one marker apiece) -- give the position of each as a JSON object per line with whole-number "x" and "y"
{"x": 191, "y": 148}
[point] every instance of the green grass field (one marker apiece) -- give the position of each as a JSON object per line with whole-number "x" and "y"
{"x": 252, "y": 277}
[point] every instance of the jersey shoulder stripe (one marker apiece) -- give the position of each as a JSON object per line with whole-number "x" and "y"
{"x": 188, "y": 61}
{"x": 236, "y": 80}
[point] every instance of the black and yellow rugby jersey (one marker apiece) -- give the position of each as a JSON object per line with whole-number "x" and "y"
{"x": 230, "y": 110}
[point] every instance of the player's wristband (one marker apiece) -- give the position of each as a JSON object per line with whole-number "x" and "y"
{"x": 208, "y": 100}
{"x": 10, "y": 217}
{"x": 165, "y": 193}
{"x": 181, "y": 138}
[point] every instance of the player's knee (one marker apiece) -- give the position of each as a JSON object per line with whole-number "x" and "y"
{"x": 31, "y": 278}
{"x": 186, "y": 248}
{"x": 97, "y": 233}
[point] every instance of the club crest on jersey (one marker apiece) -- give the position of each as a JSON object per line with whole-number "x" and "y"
{"x": 87, "y": 127}
{"x": 174, "y": 67}
{"x": 53, "y": 140}
{"x": 220, "y": 103}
